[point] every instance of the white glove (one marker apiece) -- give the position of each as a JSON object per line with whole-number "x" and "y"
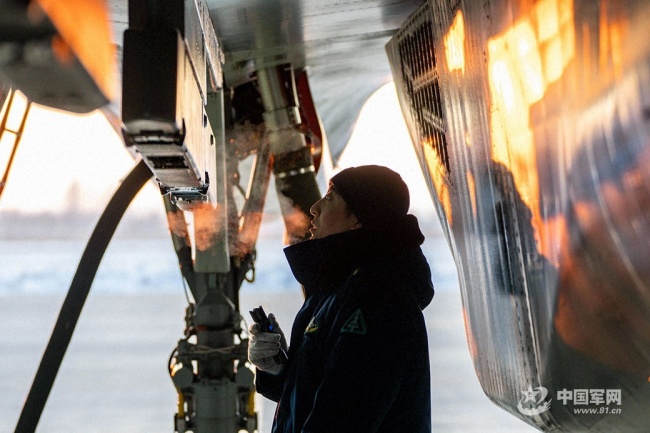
{"x": 262, "y": 346}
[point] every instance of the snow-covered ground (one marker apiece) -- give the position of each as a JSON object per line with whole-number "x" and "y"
{"x": 114, "y": 376}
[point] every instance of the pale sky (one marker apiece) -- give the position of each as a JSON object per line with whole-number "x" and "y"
{"x": 62, "y": 152}
{"x": 380, "y": 137}
{"x": 59, "y": 150}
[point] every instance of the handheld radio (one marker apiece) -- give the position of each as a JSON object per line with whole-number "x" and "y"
{"x": 260, "y": 317}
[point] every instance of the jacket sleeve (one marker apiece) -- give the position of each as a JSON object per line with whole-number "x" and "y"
{"x": 270, "y": 385}
{"x": 363, "y": 373}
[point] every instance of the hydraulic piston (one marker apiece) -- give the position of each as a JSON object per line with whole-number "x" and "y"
{"x": 293, "y": 163}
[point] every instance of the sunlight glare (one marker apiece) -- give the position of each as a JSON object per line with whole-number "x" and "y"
{"x": 381, "y": 137}
{"x": 60, "y": 153}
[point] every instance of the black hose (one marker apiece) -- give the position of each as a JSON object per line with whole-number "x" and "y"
{"x": 76, "y": 297}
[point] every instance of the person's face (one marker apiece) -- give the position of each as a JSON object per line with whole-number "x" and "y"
{"x": 331, "y": 216}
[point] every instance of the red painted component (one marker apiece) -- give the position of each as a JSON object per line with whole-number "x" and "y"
{"x": 311, "y": 125}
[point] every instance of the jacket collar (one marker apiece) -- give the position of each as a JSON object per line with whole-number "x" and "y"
{"x": 320, "y": 263}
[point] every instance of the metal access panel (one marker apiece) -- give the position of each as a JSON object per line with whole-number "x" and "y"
{"x": 413, "y": 56}
{"x": 530, "y": 120}
{"x": 167, "y": 63}
{"x": 154, "y": 63}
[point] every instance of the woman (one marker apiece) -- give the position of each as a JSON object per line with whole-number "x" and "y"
{"x": 358, "y": 359}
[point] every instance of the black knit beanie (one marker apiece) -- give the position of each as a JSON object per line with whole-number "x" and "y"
{"x": 376, "y": 195}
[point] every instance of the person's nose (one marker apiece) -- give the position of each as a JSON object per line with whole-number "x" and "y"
{"x": 315, "y": 209}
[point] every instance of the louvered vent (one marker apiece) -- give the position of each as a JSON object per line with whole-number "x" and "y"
{"x": 417, "y": 59}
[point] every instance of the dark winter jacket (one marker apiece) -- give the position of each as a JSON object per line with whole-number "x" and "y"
{"x": 358, "y": 356}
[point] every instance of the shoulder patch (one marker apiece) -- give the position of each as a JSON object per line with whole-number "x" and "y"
{"x": 355, "y": 324}
{"x": 312, "y": 327}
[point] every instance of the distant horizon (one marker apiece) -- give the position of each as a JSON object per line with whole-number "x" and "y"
{"x": 75, "y": 224}
{"x": 77, "y": 161}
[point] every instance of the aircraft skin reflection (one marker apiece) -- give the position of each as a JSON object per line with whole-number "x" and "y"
{"x": 538, "y": 164}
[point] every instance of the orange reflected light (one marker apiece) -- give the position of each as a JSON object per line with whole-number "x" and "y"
{"x": 471, "y": 342}
{"x": 296, "y": 222}
{"x": 556, "y": 36}
{"x": 547, "y": 17}
{"x": 612, "y": 32}
{"x": 551, "y": 56}
{"x": 177, "y": 225}
{"x": 522, "y": 62}
{"x": 249, "y": 227}
{"x": 454, "y": 42}
{"x": 616, "y": 40}
{"x": 436, "y": 172}
{"x": 84, "y": 27}
{"x": 208, "y": 225}
{"x": 62, "y": 51}
{"x": 471, "y": 185}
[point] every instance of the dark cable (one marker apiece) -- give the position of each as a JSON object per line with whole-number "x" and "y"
{"x": 76, "y": 297}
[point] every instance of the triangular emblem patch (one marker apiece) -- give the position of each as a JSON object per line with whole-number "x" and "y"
{"x": 355, "y": 324}
{"x": 312, "y": 327}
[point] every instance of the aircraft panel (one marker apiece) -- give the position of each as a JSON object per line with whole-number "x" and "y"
{"x": 530, "y": 119}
